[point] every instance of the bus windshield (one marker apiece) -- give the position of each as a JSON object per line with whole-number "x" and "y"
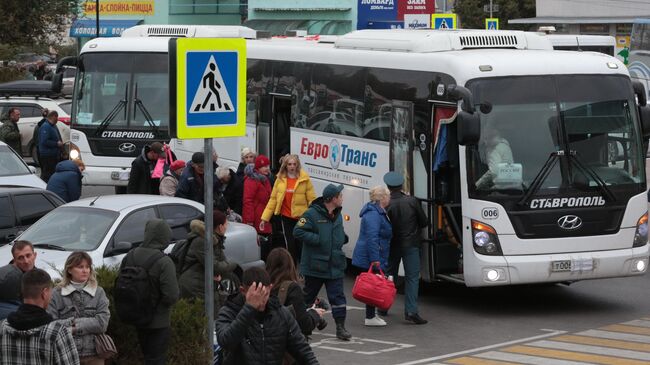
{"x": 570, "y": 133}
{"x": 118, "y": 90}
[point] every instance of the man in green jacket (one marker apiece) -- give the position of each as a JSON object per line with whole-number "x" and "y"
{"x": 323, "y": 261}
{"x": 9, "y": 132}
{"x": 154, "y": 337}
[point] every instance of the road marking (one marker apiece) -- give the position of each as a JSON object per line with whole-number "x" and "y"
{"x": 615, "y": 336}
{"x": 477, "y": 361}
{"x": 574, "y": 356}
{"x": 638, "y": 323}
{"x": 330, "y": 340}
{"x": 627, "y": 329}
{"x": 626, "y": 345}
{"x": 526, "y": 359}
{"x": 591, "y": 349}
{"x": 479, "y": 349}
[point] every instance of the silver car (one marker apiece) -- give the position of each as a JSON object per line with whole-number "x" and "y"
{"x": 109, "y": 226}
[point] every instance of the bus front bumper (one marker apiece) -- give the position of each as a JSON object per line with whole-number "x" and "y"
{"x": 107, "y": 176}
{"x": 555, "y": 268}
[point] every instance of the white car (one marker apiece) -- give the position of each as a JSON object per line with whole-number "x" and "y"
{"x": 15, "y": 172}
{"x": 109, "y": 226}
{"x": 31, "y": 112}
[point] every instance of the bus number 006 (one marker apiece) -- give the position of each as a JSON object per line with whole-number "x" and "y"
{"x": 490, "y": 213}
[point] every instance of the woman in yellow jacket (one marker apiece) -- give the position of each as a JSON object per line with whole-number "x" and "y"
{"x": 292, "y": 193}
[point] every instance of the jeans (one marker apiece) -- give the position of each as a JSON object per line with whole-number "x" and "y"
{"x": 411, "y": 258}
{"x": 154, "y": 343}
{"x": 335, "y": 294}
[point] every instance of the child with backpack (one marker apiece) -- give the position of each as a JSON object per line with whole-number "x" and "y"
{"x": 146, "y": 289}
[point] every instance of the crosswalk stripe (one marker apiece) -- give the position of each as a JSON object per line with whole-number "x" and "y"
{"x": 627, "y": 329}
{"x": 637, "y": 355}
{"x": 616, "y": 336}
{"x": 638, "y": 323}
{"x": 569, "y": 355}
{"x": 603, "y": 342}
{"x": 526, "y": 359}
{"x": 476, "y": 361}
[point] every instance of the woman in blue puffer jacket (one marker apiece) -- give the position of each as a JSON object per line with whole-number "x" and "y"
{"x": 373, "y": 244}
{"x": 66, "y": 180}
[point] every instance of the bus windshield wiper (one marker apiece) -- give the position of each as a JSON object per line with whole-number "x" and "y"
{"x": 541, "y": 176}
{"x": 49, "y": 246}
{"x": 140, "y": 105}
{"x": 116, "y": 109}
{"x": 589, "y": 171}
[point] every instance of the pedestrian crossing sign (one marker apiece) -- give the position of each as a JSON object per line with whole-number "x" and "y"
{"x": 492, "y": 23}
{"x": 443, "y": 21}
{"x": 207, "y": 87}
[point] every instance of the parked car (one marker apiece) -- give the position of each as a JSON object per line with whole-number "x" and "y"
{"x": 31, "y": 112}
{"x": 22, "y": 207}
{"x": 107, "y": 227}
{"x": 15, "y": 172}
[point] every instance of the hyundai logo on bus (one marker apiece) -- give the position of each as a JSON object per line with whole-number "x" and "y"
{"x": 583, "y": 201}
{"x": 127, "y": 147}
{"x": 349, "y": 156}
{"x": 569, "y": 222}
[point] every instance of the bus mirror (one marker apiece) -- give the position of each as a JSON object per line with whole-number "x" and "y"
{"x": 57, "y": 83}
{"x": 468, "y": 128}
{"x": 66, "y": 61}
{"x": 644, "y": 114}
{"x": 457, "y": 93}
{"x": 639, "y": 91}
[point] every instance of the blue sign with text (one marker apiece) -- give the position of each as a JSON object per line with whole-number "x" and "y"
{"x": 377, "y": 14}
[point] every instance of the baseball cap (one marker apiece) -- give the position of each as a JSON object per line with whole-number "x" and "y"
{"x": 331, "y": 191}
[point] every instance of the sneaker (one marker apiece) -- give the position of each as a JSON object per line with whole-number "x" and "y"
{"x": 415, "y": 318}
{"x": 375, "y": 322}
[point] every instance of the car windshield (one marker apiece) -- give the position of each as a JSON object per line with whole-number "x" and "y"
{"x": 11, "y": 164}
{"x": 124, "y": 84}
{"x": 570, "y": 133}
{"x": 66, "y": 106}
{"x": 71, "y": 228}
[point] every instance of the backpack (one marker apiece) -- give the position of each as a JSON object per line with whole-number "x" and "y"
{"x": 134, "y": 292}
{"x": 178, "y": 254}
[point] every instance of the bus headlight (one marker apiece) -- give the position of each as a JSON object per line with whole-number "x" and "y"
{"x": 641, "y": 234}
{"x": 75, "y": 153}
{"x": 485, "y": 239}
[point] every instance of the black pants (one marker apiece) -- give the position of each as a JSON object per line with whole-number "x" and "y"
{"x": 48, "y": 165}
{"x": 293, "y": 245}
{"x": 154, "y": 343}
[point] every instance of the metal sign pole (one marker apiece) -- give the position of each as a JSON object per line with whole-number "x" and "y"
{"x": 209, "y": 229}
{"x": 97, "y": 17}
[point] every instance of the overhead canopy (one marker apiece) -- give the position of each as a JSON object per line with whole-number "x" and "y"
{"x": 107, "y": 28}
{"x": 281, "y": 26}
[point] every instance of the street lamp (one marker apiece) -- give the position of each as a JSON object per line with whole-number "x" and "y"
{"x": 97, "y": 17}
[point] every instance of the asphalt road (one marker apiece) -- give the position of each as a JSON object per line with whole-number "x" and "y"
{"x": 526, "y": 324}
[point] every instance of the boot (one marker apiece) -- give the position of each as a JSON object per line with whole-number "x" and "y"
{"x": 341, "y": 332}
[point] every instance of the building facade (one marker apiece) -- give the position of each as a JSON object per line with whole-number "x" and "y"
{"x": 315, "y": 17}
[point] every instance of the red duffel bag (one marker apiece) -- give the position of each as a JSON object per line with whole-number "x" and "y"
{"x": 374, "y": 289}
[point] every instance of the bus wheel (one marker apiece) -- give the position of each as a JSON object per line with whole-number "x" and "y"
{"x": 120, "y": 190}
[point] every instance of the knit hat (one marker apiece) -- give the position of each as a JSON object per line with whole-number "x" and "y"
{"x": 178, "y": 164}
{"x": 198, "y": 158}
{"x": 218, "y": 218}
{"x": 261, "y": 161}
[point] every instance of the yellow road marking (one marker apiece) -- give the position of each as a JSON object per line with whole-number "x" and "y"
{"x": 475, "y": 361}
{"x": 570, "y": 355}
{"x": 627, "y": 329}
{"x": 603, "y": 342}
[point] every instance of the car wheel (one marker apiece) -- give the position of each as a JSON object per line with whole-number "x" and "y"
{"x": 34, "y": 154}
{"x": 120, "y": 190}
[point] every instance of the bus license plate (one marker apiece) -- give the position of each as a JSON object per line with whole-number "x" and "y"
{"x": 559, "y": 266}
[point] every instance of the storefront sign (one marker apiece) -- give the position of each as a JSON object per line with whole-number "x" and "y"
{"x": 131, "y": 7}
{"x": 415, "y": 7}
{"x": 372, "y": 12}
{"x": 417, "y": 21}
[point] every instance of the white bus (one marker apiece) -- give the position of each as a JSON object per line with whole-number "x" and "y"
{"x": 583, "y": 42}
{"x": 427, "y": 104}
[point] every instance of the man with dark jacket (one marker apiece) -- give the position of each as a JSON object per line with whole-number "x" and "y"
{"x": 9, "y": 132}
{"x": 231, "y": 187}
{"x": 29, "y": 335}
{"x": 140, "y": 180}
{"x": 408, "y": 219}
{"x": 192, "y": 183}
{"x": 49, "y": 145}
{"x": 35, "y": 135}
{"x": 154, "y": 337}
{"x": 323, "y": 262}
{"x": 11, "y": 275}
{"x": 66, "y": 181}
{"x": 253, "y": 328}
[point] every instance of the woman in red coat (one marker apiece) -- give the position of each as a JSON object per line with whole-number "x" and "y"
{"x": 257, "y": 191}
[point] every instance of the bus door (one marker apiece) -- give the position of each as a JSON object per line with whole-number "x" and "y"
{"x": 444, "y": 247}
{"x": 280, "y": 129}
